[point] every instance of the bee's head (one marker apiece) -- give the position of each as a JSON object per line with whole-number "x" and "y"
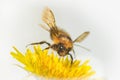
{"x": 61, "y": 49}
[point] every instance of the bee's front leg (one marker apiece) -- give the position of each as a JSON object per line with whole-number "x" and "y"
{"x": 42, "y": 42}
{"x": 71, "y": 58}
{"x": 46, "y": 48}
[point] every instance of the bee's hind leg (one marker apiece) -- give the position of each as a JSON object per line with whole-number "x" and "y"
{"x": 36, "y": 43}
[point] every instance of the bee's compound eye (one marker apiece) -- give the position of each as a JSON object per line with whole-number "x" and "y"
{"x": 61, "y": 48}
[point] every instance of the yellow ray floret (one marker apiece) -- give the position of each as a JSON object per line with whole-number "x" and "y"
{"x": 47, "y": 65}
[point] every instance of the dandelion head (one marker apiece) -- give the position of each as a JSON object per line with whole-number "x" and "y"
{"x": 42, "y": 64}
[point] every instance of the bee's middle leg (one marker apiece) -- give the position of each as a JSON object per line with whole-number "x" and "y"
{"x": 42, "y": 42}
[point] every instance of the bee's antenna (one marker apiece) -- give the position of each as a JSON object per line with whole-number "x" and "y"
{"x": 82, "y": 47}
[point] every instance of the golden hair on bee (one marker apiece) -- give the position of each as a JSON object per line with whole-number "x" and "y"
{"x": 62, "y": 42}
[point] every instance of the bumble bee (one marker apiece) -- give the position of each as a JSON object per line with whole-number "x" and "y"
{"x": 62, "y": 42}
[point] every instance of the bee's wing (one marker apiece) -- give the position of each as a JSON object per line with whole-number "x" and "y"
{"x": 81, "y": 37}
{"x": 48, "y": 17}
{"x": 44, "y": 27}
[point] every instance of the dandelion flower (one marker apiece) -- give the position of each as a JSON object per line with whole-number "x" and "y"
{"x": 46, "y": 65}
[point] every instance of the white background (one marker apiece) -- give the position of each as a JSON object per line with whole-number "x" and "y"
{"x": 19, "y": 21}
